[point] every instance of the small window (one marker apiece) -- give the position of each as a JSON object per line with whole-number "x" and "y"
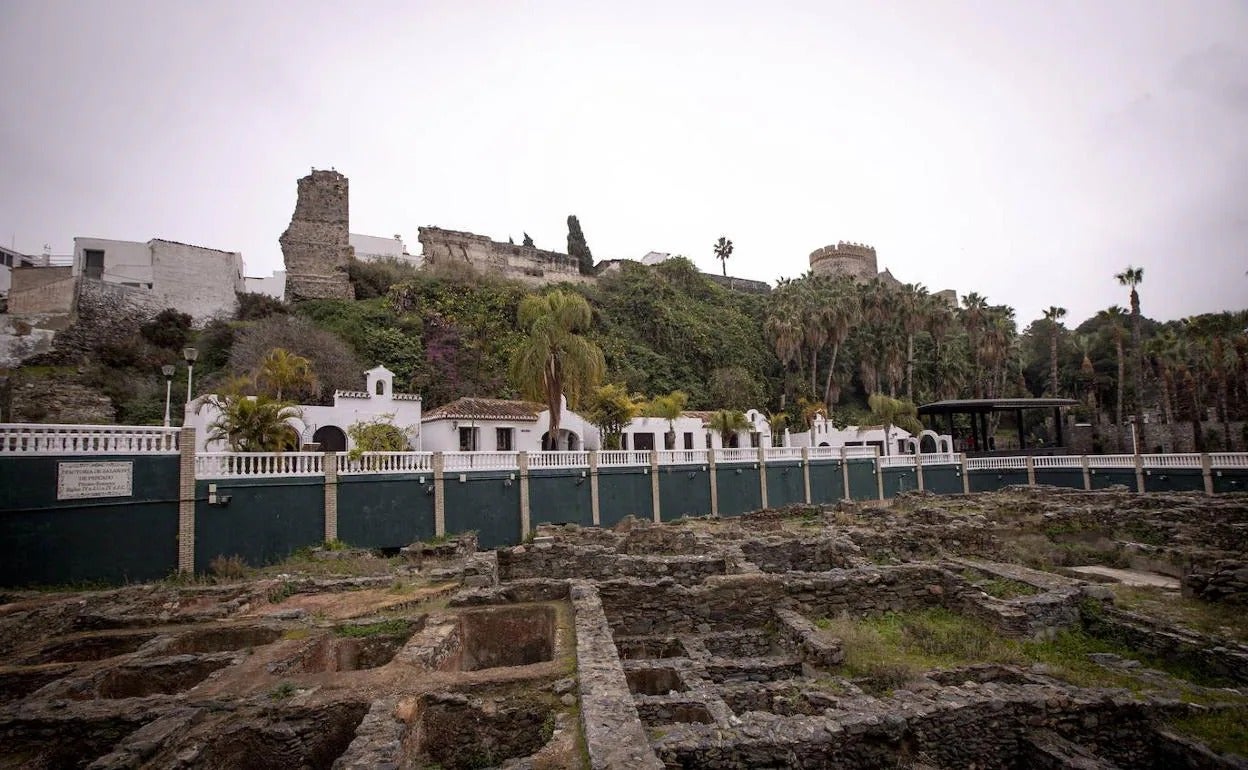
{"x": 754, "y": 439}
{"x": 643, "y": 442}
{"x": 381, "y": 387}
{"x": 467, "y": 439}
{"x": 93, "y": 263}
{"x": 503, "y": 439}
{"x": 688, "y": 441}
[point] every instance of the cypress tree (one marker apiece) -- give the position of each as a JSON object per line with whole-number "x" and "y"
{"x": 577, "y": 247}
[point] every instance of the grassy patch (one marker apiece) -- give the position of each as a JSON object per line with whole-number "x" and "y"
{"x": 395, "y": 627}
{"x": 1222, "y": 730}
{"x": 999, "y": 587}
{"x": 282, "y": 691}
{"x": 1215, "y": 619}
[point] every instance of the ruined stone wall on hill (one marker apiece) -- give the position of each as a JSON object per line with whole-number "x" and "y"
{"x": 315, "y": 246}
{"x": 522, "y": 263}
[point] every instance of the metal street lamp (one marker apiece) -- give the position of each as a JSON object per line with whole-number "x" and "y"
{"x": 190, "y": 354}
{"x": 167, "y": 370}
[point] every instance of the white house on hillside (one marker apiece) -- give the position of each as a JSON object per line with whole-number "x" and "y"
{"x": 327, "y": 426}
{"x": 499, "y": 425}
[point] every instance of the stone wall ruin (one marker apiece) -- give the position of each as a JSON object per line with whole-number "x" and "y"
{"x": 315, "y": 246}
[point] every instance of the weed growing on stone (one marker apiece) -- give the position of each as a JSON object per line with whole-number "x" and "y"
{"x": 1208, "y": 618}
{"x": 1221, "y": 730}
{"x": 283, "y": 691}
{"x": 231, "y": 567}
{"x": 281, "y": 592}
{"x": 335, "y": 545}
{"x": 393, "y": 627}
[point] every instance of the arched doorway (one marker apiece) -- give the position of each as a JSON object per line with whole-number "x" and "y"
{"x": 568, "y": 442}
{"x": 331, "y": 438}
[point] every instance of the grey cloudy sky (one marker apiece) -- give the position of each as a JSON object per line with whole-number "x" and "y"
{"x": 1027, "y": 151}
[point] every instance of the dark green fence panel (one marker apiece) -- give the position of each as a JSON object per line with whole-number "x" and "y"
{"x": 624, "y": 492}
{"x": 1107, "y": 477}
{"x": 1060, "y": 477}
{"x": 684, "y": 490}
{"x": 486, "y": 502}
{"x": 862, "y": 483}
{"x": 1174, "y": 480}
{"x": 786, "y": 484}
{"x": 46, "y": 541}
{"x": 561, "y": 496}
{"x": 385, "y": 510}
{"x": 738, "y": 489}
{"x": 827, "y": 482}
{"x": 1230, "y": 480}
{"x": 991, "y": 480}
{"x": 942, "y": 479}
{"x": 265, "y": 520}
{"x": 898, "y": 480}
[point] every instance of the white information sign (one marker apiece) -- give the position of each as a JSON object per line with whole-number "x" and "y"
{"x": 76, "y": 480}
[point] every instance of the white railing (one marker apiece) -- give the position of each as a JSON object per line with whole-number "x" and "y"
{"x": 996, "y": 463}
{"x": 683, "y": 457}
{"x": 481, "y": 461}
{"x": 942, "y": 458}
{"x": 897, "y": 461}
{"x": 825, "y": 453}
{"x": 620, "y": 457}
{"x": 558, "y": 459}
{"x": 29, "y": 439}
{"x": 233, "y": 465}
{"x": 1111, "y": 461}
{"x": 736, "y": 455}
{"x": 385, "y": 462}
{"x": 783, "y": 453}
{"x": 859, "y": 451}
{"x": 1170, "y": 461}
{"x": 1057, "y": 461}
{"x": 1228, "y": 460}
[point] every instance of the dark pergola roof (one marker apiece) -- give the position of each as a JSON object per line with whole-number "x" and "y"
{"x": 985, "y": 405}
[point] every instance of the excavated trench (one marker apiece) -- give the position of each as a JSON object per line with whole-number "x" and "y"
{"x": 456, "y": 731}
{"x": 507, "y": 636}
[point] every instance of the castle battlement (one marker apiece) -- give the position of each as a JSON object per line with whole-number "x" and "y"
{"x": 845, "y": 258}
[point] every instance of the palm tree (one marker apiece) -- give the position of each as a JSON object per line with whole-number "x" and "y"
{"x": 727, "y": 423}
{"x": 938, "y": 318}
{"x": 723, "y": 250}
{"x": 668, "y": 407}
{"x": 1113, "y": 317}
{"x": 253, "y": 423}
{"x": 1163, "y": 350}
{"x": 777, "y": 422}
{"x": 1134, "y": 276}
{"x": 1054, "y": 315}
{"x": 284, "y": 372}
{"x": 974, "y": 314}
{"x": 893, "y": 411}
{"x": 838, "y": 313}
{"x": 555, "y": 360}
{"x": 912, "y": 306}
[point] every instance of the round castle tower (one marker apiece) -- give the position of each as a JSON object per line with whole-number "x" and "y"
{"x": 853, "y": 260}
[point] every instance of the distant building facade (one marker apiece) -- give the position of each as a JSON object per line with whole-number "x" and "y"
{"x": 503, "y": 425}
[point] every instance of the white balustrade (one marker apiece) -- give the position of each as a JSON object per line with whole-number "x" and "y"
{"x": 860, "y": 451}
{"x": 942, "y": 458}
{"x": 481, "y": 461}
{"x": 1058, "y": 461}
{"x": 235, "y": 465}
{"x": 385, "y": 462}
{"x": 1170, "y": 461}
{"x": 897, "y": 461}
{"x": 782, "y": 453}
{"x": 38, "y": 439}
{"x": 620, "y": 457}
{"x": 1111, "y": 461}
{"x": 1228, "y": 460}
{"x": 825, "y": 453}
{"x": 683, "y": 457}
{"x": 996, "y": 463}
{"x": 558, "y": 459}
{"x": 736, "y": 455}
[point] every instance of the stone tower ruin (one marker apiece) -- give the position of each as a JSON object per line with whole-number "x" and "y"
{"x": 851, "y": 260}
{"x": 315, "y": 245}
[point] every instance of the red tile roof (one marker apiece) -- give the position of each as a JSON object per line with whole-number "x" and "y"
{"x": 486, "y": 409}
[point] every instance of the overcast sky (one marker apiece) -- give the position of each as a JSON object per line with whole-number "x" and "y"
{"x": 1027, "y": 151}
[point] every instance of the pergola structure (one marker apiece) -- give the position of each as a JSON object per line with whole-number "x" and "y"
{"x": 979, "y": 408}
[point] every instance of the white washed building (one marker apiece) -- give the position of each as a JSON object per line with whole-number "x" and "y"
{"x": 501, "y": 425}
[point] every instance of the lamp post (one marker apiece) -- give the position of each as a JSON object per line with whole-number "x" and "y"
{"x": 190, "y": 354}
{"x": 167, "y": 370}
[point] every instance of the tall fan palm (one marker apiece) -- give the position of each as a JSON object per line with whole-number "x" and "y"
{"x": 939, "y": 319}
{"x": 974, "y": 315}
{"x": 1133, "y": 277}
{"x": 1054, "y": 315}
{"x": 913, "y": 307}
{"x": 1113, "y": 318}
{"x": 727, "y": 423}
{"x": 555, "y": 359}
{"x": 893, "y": 411}
{"x": 1163, "y": 351}
{"x": 253, "y": 423}
{"x": 723, "y": 250}
{"x": 841, "y": 310}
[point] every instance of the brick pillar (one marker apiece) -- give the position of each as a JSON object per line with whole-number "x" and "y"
{"x": 710, "y": 460}
{"x": 186, "y": 500}
{"x": 879, "y": 474}
{"x": 1087, "y": 475}
{"x": 1031, "y": 471}
{"x": 331, "y": 496}
{"x": 918, "y": 469}
{"x": 966, "y": 477}
{"x": 526, "y": 522}
{"x": 1206, "y": 470}
{"x": 806, "y": 473}
{"x": 593, "y": 487}
{"x": 654, "y": 486}
{"x": 439, "y": 494}
{"x": 762, "y": 474}
{"x": 845, "y": 472}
